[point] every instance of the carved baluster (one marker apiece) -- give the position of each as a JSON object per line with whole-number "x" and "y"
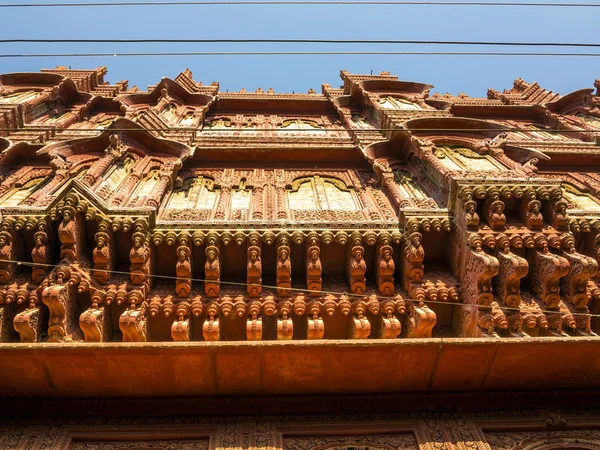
{"x": 180, "y": 329}
{"x": 313, "y": 265}
{"x": 384, "y": 267}
{"x": 356, "y": 266}
{"x": 284, "y": 266}
{"x": 102, "y": 254}
{"x": 546, "y": 271}
{"x": 413, "y": 261}
{"x": 40, "y": 255}
{"x": 7, "y": 254}
{"x": 212, "y": 267}
{"x": 254, "y": 325}
{"x": 68, "y": 234}
{"x": 139, "y": 256}
{"x": 574, "y": 284}
{"x": 183, "y": 268}
{"x": 254, "y": 266}
{"x": 210, "y": 328}
{"x": 512, "y": 269}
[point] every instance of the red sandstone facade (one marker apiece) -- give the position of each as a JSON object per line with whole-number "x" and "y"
{"x": 196, "y": 243}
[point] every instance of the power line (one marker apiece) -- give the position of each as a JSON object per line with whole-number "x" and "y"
{"x": 303, "y": 2}
{"x": 276, "y": 53}
{"x": 307, "y": 130}
{"x": 302, "y": 41}
{"x": 307, "y": 291}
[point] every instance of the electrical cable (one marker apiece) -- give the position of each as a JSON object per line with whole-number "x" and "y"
{"x": 276, "y": 53}
{"x": 303, "y": 2}
{"x": 300, "y": 41}
{"x": 308, "y": 130}
{"x": 308, "y": 291}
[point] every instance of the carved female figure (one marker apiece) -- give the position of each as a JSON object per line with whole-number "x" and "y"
{"x": 533, "y": 216}
{"x": 496, "y": 217}
{"x": 358, "y": 267}
{"x": 212, "y": 271}
{"x": 6, "y": 253}
{"x": 471, "y": 216}
{"x": 284, "y": 270}
{"x": 414, "y": 254}
{"x": 183, "y": 269}
{"x": 314, "y": 270}
{"x": 39, "y": 255}
{"x": 385, "y": 270}
{"x": 254, "y": 271}
{"x": 140, "y": 259}
{"x": 67, "y": 233}
{"x": 101, "y": 257}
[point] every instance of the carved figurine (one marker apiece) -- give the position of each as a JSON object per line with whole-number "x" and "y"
{"x": 183, "y": 270}
{"x": 314, "y": 270}
{"x": 67, "y": 233}
{"x": 6, "y": 254}
{"x": 531, "y": 215}
{"x": 357, "y": 270}
{"x": 254, "y": 271}
{"x": 39, "y": 255}
{"x": 212, "y": 271}
{"x": 494, "y": 214}
{"x": 101, "y": 257}
{"x": 414, "y": 256}
{"x": 284, "y": 269}
{"x": 140, "y": 259}
{"x": 471, "y": 216}
{"x": 385, "y": 270}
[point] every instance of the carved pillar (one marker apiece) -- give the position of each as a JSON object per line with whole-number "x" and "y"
{"x": 183, "y": 268}
{"x": 258, "y": 202}
{"x": 356, "y": 266}
{"x": 102, "y": 254}
{"x": 111, "y": 155}
{"x": 284, "y": 266}
{"x": 546, "y": 271}
{"x": 313, "y": 265}
{"x": 212, "y": 267}
{"x": 254, "y": 266}
{"x": 223, "y": 205}
{"x": 384, "y": 267}
{"x": 40, "y": 255}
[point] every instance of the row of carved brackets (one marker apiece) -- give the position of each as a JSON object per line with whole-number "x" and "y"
{"x": 198, "y": 237}
{"x": 414, "y": 219}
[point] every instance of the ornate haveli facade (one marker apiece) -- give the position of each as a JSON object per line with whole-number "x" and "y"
{"x": 369, "y": 268}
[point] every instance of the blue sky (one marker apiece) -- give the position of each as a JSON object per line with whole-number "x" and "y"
{"x": 470, "y": 74}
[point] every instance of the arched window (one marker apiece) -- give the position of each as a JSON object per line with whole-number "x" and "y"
{"x": 409, "y": 187}
{"x": 169, "y": 113}
{"x": 397, "y": 103}
{"x": 318, "y": 193}
{"x": 194, "y": 193}
{"x": 18, "y": 194}
{"x": 115, "y": 177}
{"x": 188, "y": 120}
{"x": 463, "y": 158}
{"x": 145, "y": 188}
{"x": 311, "y": 127}
{"x": 591, "y": 120}
{"x": 241, "y": 197}
{"x": 361, "y": 122}
{"x": 19, "y": 97}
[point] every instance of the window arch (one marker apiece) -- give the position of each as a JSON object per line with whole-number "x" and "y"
{"x": 18, "y": 194}
{"x": 312, "y": 127}
{"x": 19, "y": 97}
{"x": 317, "y": 193}
{"x": 194, "y": 193}
{"x": 398, "y": 103}
{"x": 456, "y": 157}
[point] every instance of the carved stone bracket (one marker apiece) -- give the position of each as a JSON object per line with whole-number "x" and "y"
{"x": 479, "y": 268}
{"x": 546, "y": 270}
{"x": 28, "y": 324}
{"x": 420, "y": 320}
{"x": 133, "y": 325}
{"x": 512, "y": 269}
